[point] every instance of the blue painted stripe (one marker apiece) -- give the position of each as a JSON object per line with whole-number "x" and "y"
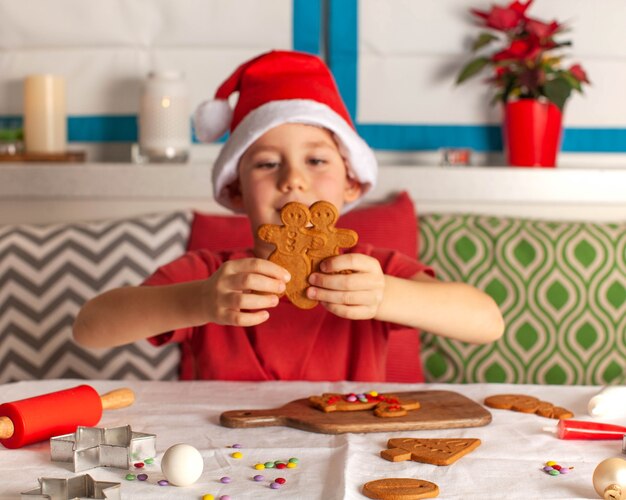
{"x": 482, "y": 138}
{"x": 111, "y": 128}
{"x": 379, "y": 136}
{"x": 307, "y": 25}
{"x": 429, "y": 137}
{"x": 122, "y": 128}
{"x": 343, "y": 49}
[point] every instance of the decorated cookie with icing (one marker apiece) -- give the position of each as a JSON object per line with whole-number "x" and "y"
{"x": 384, "y": 405}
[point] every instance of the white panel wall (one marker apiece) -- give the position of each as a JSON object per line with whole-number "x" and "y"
{"x": 105, "y": 48}
{"x": 410, "y": 53}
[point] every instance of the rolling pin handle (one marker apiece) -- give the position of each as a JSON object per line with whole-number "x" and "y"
{"x": 119, "y": 398}
{"x": 6, "y": 428}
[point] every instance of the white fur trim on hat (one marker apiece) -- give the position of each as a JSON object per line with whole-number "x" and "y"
{"x": 360, "y": 158}
{"x": 212, "y": 119}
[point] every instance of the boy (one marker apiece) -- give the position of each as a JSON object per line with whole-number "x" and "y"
{"x": 291, "y": 139}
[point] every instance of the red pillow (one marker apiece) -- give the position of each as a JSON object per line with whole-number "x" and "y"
{"x": 390, "y": 224}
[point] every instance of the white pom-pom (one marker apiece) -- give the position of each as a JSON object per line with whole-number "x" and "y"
{"x": 212, "y": 119}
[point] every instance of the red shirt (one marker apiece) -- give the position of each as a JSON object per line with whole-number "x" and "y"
{"x": 293, "y": 344}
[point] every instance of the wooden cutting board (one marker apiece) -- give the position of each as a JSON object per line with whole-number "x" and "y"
{"x": 439, "y": 410}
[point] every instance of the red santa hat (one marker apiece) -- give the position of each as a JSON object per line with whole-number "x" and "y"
{"x": 275, "y": 88}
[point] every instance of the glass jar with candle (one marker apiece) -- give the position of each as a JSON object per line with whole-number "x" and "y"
{"x": 164, "y": 123}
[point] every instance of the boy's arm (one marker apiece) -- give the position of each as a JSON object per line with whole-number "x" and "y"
{"x": 238, "y": 293}
{"x": 128, "y": 314}
{"x": 450, "y": 309}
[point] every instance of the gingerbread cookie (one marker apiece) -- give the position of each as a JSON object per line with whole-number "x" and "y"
{"x": 527, "y": 404}
{"x": 400, "y": 489}
{"x": 430, "y": 451}
{"x": 384, "y": 405}
{"x": 302, "y": 242}
{"x": 324, "y": 215}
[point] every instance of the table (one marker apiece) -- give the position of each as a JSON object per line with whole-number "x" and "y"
{"x": 506, "y": 465}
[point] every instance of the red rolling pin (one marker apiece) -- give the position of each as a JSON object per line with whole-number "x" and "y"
{"x": 42, "y": 417}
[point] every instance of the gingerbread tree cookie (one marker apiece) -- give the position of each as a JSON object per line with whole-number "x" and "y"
{"x": 430, "y": 451}
{"x": 300, "y": 247}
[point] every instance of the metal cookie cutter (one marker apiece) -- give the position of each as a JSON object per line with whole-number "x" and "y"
{"x": 84, "y": 486}
{"x": 91, "y": 447}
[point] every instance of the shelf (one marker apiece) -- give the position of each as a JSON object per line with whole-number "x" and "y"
{"x": 40, "y": 193}
{"x": 497, "y": 184}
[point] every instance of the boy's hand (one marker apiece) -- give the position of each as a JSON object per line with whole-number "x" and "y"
{"x": 234, "y": 294}
{"x": 356, "y": 295}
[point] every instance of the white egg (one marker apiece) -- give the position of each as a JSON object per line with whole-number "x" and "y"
{"x": 182, "y": 464}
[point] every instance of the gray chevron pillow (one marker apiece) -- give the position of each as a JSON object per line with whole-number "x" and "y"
{"x": 48, "y": 272}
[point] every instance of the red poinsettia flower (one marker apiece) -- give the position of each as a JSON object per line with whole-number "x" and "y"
{"x": 521, "y": 49}
{"x": 504, "y": 18}
{"x": 579, "y": 73}
{"x": 523, "y": 67}
{"x": 540, "y": 29}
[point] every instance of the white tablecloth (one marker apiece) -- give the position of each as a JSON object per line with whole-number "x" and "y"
{"x": 506, "y": 465}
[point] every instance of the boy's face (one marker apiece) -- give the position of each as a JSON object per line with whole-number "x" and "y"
{"x": 292, "y": 162}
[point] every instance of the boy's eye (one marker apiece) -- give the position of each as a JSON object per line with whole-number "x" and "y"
{"x": 267, "y": 164}
{"x": 316, "y": 161}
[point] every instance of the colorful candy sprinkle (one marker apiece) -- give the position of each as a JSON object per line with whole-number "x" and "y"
{"x": 269, "y": 465}
{"x": 142, "y": 477}
{"x": 293, "y": 460}
{"x": 280, "y": 480}
{"x": 208, "y": 496}
{"x": 163, "y": 482}
{"x": 555, "y": 469}
{"x": 225, "y": 480}
{"x": 259, "y": 466}
{"x": 236, "y": 445}
{"x": 130, "y": 477}
{"x": 258, "y": 477}
{"x": 237, "y": 454}
{"x": 138, "y": 465}
{"x": 275, "y": 485}
{"x": 149, "y": 461}
{"x": 292, "y": 465}
{"x": 281, "y": 465}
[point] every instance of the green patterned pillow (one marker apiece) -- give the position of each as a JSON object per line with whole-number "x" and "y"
{"x": 561, "y": 287}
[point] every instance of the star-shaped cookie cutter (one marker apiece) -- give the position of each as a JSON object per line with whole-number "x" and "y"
{"x": 51, "y": 488}
{"x": 91, "y": 447}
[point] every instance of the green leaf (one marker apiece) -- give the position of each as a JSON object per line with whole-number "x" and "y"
{"x": 483, "y": 40}
{"x": 557, "y": 91}
{"x": 571, "y": 80}
{"x": 472, "y": 68}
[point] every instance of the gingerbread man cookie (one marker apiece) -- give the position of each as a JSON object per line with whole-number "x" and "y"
{"x": 384, "y": 405}
{"x": 324, "y": 215}
{"x": 300, "y": 248}
{"x": 430, "y": 451}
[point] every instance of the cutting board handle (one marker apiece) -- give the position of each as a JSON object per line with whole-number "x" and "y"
{"x": 251, "y": 418}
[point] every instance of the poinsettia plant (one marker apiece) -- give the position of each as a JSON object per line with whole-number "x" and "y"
{"x": 526, "y": 65}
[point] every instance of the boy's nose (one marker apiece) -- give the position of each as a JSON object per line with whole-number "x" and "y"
{"x": 292, "y": 179}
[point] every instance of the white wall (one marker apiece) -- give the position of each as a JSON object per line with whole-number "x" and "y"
{"x": 410, "y": 53}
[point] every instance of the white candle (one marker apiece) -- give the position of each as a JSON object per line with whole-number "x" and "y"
{"x": 45, "y": 120}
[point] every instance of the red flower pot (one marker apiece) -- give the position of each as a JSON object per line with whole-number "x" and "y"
{"x": 531, "y": 133}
